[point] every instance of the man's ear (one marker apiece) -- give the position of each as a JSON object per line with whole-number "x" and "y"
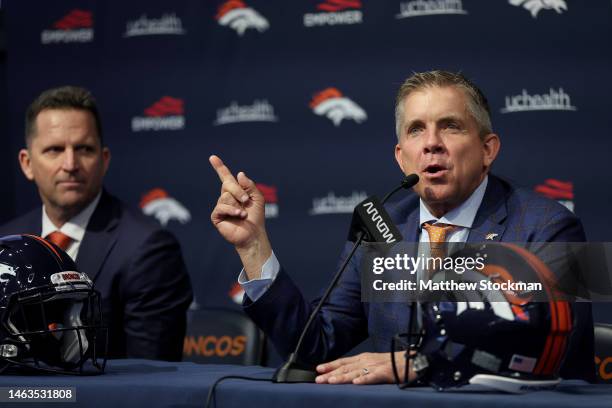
{"x": 491, "y": 145}
{"x": 106, "y": 157}
{"x": 25, "y": 161}
{"x": 398, "y": 157}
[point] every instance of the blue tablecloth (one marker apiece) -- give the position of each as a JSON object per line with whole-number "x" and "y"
{"x": 144, "y": 383}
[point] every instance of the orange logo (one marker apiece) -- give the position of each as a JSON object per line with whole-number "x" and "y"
{"x": 236, "y": 15}
{"x": 332, "y": 104}
{"x": 160, "y": 205}
{"x": 209, "y": 346}
{"x": 603, "y": 371}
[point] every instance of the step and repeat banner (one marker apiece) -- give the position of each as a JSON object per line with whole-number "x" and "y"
{"x": 300, "y": 96}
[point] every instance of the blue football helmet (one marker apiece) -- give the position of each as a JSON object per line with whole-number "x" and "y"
{"x": 50, "y": 315}
{"x": 502, "y": 339}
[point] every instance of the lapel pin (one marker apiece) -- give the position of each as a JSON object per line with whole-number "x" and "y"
{"x": 491, "y": 236}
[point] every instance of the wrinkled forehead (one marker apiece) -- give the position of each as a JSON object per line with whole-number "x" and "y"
{"x": 65, "y": 126}
{"x": 433, "y": 103}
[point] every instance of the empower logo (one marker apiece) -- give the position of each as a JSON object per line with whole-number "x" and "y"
{"x": 168, "y": 24}
{"x": 159, "y": 204}
{"x": 335, "y": 12}
{"x": 332, "y": 104}
{"x": 259, "y": 111}
{"x": 165, "y": 114}
{"x": 535, "y": 6}
{"x": 74, "y": 27}
{"x": 332, "y": 204}
{"x": 236, "y": 15}
{"x": 270, "y": 198}
{"x": 553, "y": 100}
{"x": 419, "y": 8}
{"x": 562, "y": 191}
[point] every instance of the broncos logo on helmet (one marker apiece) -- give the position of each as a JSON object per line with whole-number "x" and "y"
{"x": 236, "y": 15}
{"x": 331, "y": 103}
{"x": 534, "y": 6}
{"x": 6, "y": 272}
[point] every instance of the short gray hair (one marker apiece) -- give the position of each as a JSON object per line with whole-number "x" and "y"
{"x": 477, "y": 102}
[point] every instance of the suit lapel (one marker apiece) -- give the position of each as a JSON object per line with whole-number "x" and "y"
{"x": 100, "y": 237}
{"x": 489, "y": 222}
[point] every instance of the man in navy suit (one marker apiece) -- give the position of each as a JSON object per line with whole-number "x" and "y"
{"x": 136, "y": 266}
{"x": 445, "y": 136}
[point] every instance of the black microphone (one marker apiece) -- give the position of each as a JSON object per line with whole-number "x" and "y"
{"x": 372, "y": 223}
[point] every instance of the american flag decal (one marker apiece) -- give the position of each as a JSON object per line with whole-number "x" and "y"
{"x": 522, "y": 363}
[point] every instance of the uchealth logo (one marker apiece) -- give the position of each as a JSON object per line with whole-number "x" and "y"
{"x": 335, "y": 12}
{"x": 420, "y": 8}
{"x": 333, "y": 204}
{"x": 259, "y": 111}
{"x": 74, "y": 27}
{"x": 332, "y": 104}
{"x": 555, "y": 99}
{"x": 236, "y": 15}
{"x": 218, "y": 346}
{"x": 535, "y": 6}
{"x": 165, "y": 114}
{"x": 236, "y": 293}
{"x": 159, "y": 204}
{"x": 562, "y": 191}
{"x": 168, "y": 24}
{"x": 270, "y": 198}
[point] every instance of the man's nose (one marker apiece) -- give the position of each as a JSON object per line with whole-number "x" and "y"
{"x": 433, "y": 142}
{"x": 70, "y": 162}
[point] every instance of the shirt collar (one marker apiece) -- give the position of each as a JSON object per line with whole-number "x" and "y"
{"x": 462, "y": 216}
{"x": 75, "y": 227}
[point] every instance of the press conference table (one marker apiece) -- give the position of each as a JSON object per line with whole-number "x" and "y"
{"x": 144, "y": 383}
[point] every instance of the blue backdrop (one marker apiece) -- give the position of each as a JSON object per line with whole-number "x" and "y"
{"x": 300, "y": 95}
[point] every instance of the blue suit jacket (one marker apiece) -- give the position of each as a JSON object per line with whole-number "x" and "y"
{"x": 516, "y": 215}
{"x": 139, "y": 271}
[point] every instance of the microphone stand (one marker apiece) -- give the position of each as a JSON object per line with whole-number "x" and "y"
{"x": 293, "y": 370}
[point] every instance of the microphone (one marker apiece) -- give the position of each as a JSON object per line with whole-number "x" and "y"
{"x": 371, "y": 223}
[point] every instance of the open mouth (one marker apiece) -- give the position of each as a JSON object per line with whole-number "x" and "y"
{"x": 434, "y": 170}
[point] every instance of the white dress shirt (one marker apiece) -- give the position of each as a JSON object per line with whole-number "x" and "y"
{"x": 75, "y": 228}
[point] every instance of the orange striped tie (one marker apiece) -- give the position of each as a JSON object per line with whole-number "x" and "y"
{"x": 437, "y": 238}
{"x": 60, "y": 239}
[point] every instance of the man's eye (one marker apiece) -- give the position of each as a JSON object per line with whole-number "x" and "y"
{"x": 85, "y": 149}
{"x": 415, "y": 130}
{"x": 452, "y": 125}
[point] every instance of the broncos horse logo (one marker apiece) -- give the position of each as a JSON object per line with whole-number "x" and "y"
{"x": 236, "y": 15}
{"x": 163, "y": 207}
{"x": 6, "y": 272}
{"x": 331, "y": 103}
{"x": 534, "y": 6}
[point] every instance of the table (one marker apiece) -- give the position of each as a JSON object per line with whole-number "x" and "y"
{"x": 145, "y": 383}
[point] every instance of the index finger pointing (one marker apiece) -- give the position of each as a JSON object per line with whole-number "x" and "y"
{"x": 222, "y": 171}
